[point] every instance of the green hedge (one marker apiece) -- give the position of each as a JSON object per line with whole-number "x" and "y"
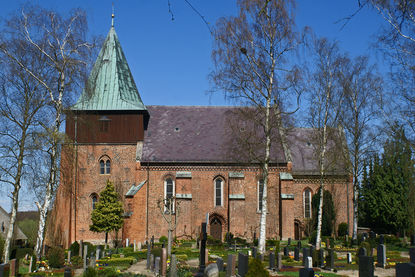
{"x": 117, "y": 261}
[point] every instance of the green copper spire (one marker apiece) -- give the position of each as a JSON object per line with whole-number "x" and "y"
{"x": 110, "y": 85}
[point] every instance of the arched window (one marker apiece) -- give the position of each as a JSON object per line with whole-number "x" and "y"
{"x": 105, "y": 166}
{"x": 169, "y": 191}
{"x": 218, "y": 192}
{"x": 94, "y": 198}
{"x": 2, "y": 227}
{"x": 260, "y": 194}
{"x": 307, "y": 203}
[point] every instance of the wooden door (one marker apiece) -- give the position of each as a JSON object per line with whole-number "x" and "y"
{"x": 216, "y": 229}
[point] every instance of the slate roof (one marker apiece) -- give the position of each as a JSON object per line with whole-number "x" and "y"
{"x": 194, "y": 134}
{"x": 110, "y": 85}
{"x": 4, "y": 223}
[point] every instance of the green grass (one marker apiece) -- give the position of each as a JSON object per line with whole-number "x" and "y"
{"x": 296, "y": 274}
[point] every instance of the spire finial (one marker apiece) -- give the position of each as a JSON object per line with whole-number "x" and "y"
{"x": 112, "y": 15}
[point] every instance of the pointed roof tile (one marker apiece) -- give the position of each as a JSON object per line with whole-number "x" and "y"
{"x": 110, "y": 85}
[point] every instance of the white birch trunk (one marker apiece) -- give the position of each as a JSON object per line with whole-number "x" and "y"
{"x": 10, "y": 231}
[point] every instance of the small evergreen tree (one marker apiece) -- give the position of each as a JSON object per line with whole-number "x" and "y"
{"x": 328, "y": 212}
{"x": 108, "y": 213}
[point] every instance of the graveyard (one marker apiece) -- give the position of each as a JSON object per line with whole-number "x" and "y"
{"x": 371, "y": 255}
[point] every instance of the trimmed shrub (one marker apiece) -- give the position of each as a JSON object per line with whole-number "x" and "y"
{"x": 275, "y": 243}
{"x": 76, "y": 261}
{"x": 213, "y": 241}
{"x": 256, "y": 269}
{"x": 56, "y": 257}
{"x": 117, "y": 261}
{"x": 74, "y": 248}
{"x": 342, "y": 229}
{"x": 163, "y": 239}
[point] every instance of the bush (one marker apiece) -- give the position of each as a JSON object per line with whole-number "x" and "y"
{"x": 316, "y": 257}
{"x": 1, "y": 247}
{"x": 239, "y": 240}
{"x": 21, "y": 252}
{"x": 163, "y": 239}
{"x": 275, "y": 243}
{"x": 34, "y": 265}
{"x": 255, "y": 242}
{"x": 117, "y": 261}
{"x": 77, "y": 261}
{"x": 156, "y": 251}
{"x": 256, "y": 269}
{"x": 342, "y": 229}
{"x": 313, "y": 237}
{"x": 213, "y": 241}
{"x": 368, "y": 247}
{"x": 90, "y": 272}
{"x": 56, "y": 257}
{"x": 74, "y": 249}
{"x": 91, "y": 248}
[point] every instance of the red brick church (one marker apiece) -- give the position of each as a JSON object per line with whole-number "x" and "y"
{"x": 154, "y": 152}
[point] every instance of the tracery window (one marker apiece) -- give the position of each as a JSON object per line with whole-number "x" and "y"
{"x": 169, "y": 191}
{"x": 218, "y": 191}
{"x": 105, "y": 166}
{"x": 307, "y": 203}
{"x": 260, "y": 194}
{"x": 94, "y": 198}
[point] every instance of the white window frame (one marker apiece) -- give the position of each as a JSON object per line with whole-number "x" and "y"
{"x": 165, "y": 192}
{"x": 308, "y": 190}
{"x": 258, "y": 200}
{"x": 221, "y": 190}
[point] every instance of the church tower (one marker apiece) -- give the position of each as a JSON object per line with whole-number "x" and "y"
{"x": 106, "y": 131}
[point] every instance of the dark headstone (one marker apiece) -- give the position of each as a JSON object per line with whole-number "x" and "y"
{"x": 14, "y": 267}
{"x": 157, "y": 266}
{"x": 67, "y": 272}
{"x": 219, "y": 262}
{"x": 286, "y": 251}
{"x": 202, "y": 256}
{"x": 254, "y": 252}
{"x": 306, "y": 272}
{"x": 296, "y": 254}
{"x": 366, "y": 266}
{"x": 260, "y": 257}
{"x": 330, "y": 259}
{"x": 305, "y": 255}
{"x": 405, "y": 270}
{"x": 243, "y": 261}
{"x": 299, "y": 244}
{"x": 413, "y": 240}
{"x": 372, "y": 235}
{"x": 152, "y": 242}
{"x": 289, "y": 241}
{"x": 312, "y": 248}
{"x": 362, "y": 252}
{"x": 381, "y": 239}
{"x": 148, "y": 256}
{"x": 230, "y": 266}
{"x": 272, "y": 261}
{"x": 381, "y": 256}
{"x": 152, "y": 262}
{"x": 4, "y": 270}
{"x": 412, "y": 255}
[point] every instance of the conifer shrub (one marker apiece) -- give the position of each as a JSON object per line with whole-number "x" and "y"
{"x": 74, "y": 248}
{"x": 342, "y": 229}
{"x": 56, "y": 257}
{"x": 256, "y": 269}
{"x": 163, "y": 239}
{"x": 90, "y": 272}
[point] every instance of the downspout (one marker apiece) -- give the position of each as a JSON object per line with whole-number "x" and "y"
{"x": 148, "y": 189}
{"x": 229, "y": 207}
{"x": 76, "y": 172}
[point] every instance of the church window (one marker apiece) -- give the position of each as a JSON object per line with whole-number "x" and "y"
{"x": 2, "y": 227}
{"x": 104, "y": 123}
{"x": 105, "y": 166}
{"x": 307, "y": 203}
{"x": 218, "y": 192}
{"x": 260, "y": 194}
{"x": 94, "y": 198}
{"x": 169, "y": 195}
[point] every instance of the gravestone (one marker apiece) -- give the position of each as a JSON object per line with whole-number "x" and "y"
{"x": 203, "y": 256}
{"x": 173, "y": 266}
{"x": 134, "y": 246}
{"x": 31, "y": 261}
{"x": 14, "y": 267}
{"x": 4, "y": 270}
{"x": 157, "y": 266}
{"x": 211, "y": 270}
{"x": 279, "y": 261}
{"x": 243, "y": 261}
{"x": 405, "y": 269}
{"x": 349, "y": 258}
{"x": 69, "y": 258}
{"x": 139, "y": 246}
{"x": 152, "y": 262}
{"x": 92, "y": 261}
{"x": 362, "y": 252}
{"x": 127, "y": 242}
{"x": 272, "y": 261}
{"x": 85, "y": 256}
{"x": 327, "y": 243}
{"x": 312, "y": 248}
{"x": 152, "y": 242}
{"x": 254, "y": 252}
{"x": 97, "y": 254}
{"x": 306, "y": 272}
{"x": 148, "y": 257}
{"x": 412, "y": 255}
{"x": 381, "y": 239}
{"x": 230, "y": 266}
{"x": 206, "y": 256}
{"x": 381, "y": 257}
{"x": 81, "y": 248}
{"x": 366, "y": 266}
{"x": 163, "y": 261}
{"x": 67, "y": 272}
{"x": 305, "y": 254}
{"x": 250, "y": 253}
{"x": 309, "y": 262}
{"x": 296, "y": 254}
{"x": 286, "y": 252}
{"x": 372, "y": 235}
{"x": 260, "y": 257}
{"x": 321, "y": 258}
{"x": 413, "y": 240}
{"x": 219, "y": 262}
{"x": 299, "y": 244}
{"x": 330, "y": 259}
{"x": 289, "y": 241}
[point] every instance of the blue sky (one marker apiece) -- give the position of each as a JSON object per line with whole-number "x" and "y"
{"x": 170, "y": 60}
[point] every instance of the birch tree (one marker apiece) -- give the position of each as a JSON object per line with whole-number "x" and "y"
{"x": 170, "y": 210}
{"x": 362, "y": 89}
{"x": 22, "y": 98}
{"x": 61, "y": 42}
{"x": 324, "y": 102}
{"x": 250, "y": 56}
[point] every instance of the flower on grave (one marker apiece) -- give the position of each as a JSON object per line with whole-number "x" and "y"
{"x": 271, "y": 249}
{"x": 118, "y": 271}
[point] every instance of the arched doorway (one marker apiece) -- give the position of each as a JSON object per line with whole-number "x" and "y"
{"x": 216, "y": 228}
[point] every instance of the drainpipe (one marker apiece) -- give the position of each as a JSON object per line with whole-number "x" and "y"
{"x": 148, "y": 189}
{"x": 229, "y": 207}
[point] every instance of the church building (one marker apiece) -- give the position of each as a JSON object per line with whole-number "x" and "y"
{"x": 155, "y": 152}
